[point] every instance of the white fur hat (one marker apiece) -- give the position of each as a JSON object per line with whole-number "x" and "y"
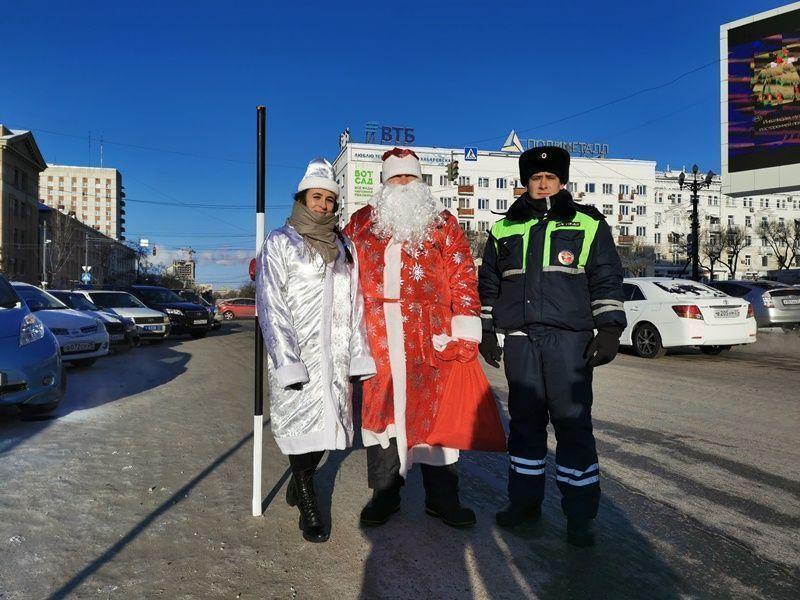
{"x": 400, "y": 161}
{"x": 319, "y": 174}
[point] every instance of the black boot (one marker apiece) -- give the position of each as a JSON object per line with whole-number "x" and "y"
{"x": 291, "y": 492}
{"x": 310, "y": 519}
{"x": 580, "y": 532}
{"x": 441, "y": 496}
{"x": 514, "y": 515}
{"x": 383, "y": 505}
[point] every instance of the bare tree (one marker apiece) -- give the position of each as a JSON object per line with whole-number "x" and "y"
{"x": 784, "y": 239}
{"x": 733, "y": 241}
{"x": 61, "y": 230}
{"x": 637, "y": 258}
{"x": 711, "y": 248}
{"x": 477, "y": 242}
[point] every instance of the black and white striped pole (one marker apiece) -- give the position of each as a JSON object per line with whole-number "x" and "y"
{"x": 258, "y": 409}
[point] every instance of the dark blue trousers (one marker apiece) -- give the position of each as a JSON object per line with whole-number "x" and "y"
{"x": 548, "y": 380}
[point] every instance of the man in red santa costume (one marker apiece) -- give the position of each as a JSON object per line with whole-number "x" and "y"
{"x": 420, "y": 293}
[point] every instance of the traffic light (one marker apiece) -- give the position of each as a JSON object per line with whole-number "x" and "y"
{"x": 452, "y": 170}
{"x": 154, "y": 250}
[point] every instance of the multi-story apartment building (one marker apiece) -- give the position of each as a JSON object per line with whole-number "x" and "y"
{"x": 95, "y": 196}
{"x": 672, "y": 209}
{"x": 644, "y": 206}
{"x": 486, "y": 187}
{"x": 20, "y": 165}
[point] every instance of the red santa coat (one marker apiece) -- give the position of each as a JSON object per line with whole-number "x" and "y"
{"x": 410, "y": 296}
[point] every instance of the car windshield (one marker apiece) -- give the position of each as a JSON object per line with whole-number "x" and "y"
{"x": 159, "y": 295}
{"x": 116, "y": 300}
{"x": 76, "y": 301}
{"x": 8, "y": 299}
{"x": 37, "y": 299}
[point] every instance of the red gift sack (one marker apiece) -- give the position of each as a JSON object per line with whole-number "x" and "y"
{"x": 467, "y": 418}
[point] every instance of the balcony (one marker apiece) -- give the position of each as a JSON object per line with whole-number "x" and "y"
{"x": 518, "y": 192}
{"x": 625, "y": 218}
{"x": 625, "y": 240}
{"x": 466, "y": 189}
{"x": 466, "y": 212}
{"x": 715, "y": 227}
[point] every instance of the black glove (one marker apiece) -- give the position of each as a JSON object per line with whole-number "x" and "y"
{"x": 295, "y": 386}
{"x": 489, "y": 349}
{"x": 603, "y": 347}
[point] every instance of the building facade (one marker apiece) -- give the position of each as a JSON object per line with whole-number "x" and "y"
{"x": 20, "y": 165}
{"x": 95, "y": 196}
{"x": 184, "y": 270}
{"x": 71, "y": 245}
{"x": 644, "y": 206}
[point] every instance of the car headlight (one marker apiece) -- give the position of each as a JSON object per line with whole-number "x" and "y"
{"x": 32, "y": 329}
{"x": 100, "y": 325}
{"x": 173, "y": 311}
{"x": 129, "y": 324}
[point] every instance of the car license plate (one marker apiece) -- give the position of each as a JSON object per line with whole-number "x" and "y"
{"x": 729, "y": 313}
{"x": 152, "y": 327}
{"x": 200, "y": 322}
{"x": 79, "y": 347}
{"x": 791, "y": 301}
{"x": 116, "y": 337}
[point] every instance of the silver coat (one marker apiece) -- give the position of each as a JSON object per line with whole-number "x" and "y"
{"x": 312, "y": 317}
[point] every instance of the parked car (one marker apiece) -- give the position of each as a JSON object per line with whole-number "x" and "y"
{"x": 668, "y": 313}
{"x": 237, "y": 308}
{"x": 152, "y": 326}
{"x": 192, "y": 296}
{"x": 82, "y": 339}
{"x": 185, "y": 317}
{"x": 32, "y": 375}
{"x": 774, "y": 304}
{"x": 122, "y": 332}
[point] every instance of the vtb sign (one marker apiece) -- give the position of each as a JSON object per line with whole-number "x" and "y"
{"x": 375, "y": 133}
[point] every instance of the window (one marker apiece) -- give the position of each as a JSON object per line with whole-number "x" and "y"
{"x": 443, "y": 180}
{"x": 483, "y": 182}
{"x": 502, "y": 204}
{"x": 660, "y": 198}
{"x": 624, "y": 189}
{"x": 501, "y": 183}
{"x": 764, "y": 261}
{"x": 748, "y": 221}
{"x": 731, "y": 221}
{"x": 589, "y": 188}
{"x": 572, "y": 187}
{"x": 624, "y": 209}
{"x": 446, "y": 202}
{"x": 641, "y": 190}
{"x": 632, "y": 292}
{"x": 678, "y": 198}
{"x": 463, "y": 203}
{"x": 428, "y": 179}
{"x": 641, "y": 231}
{"x": 608, "y": 209}
{"x": 483, "y": 226}
{"x": 483, "y": 204}
{"x": 641, "y": 210}
{"x": 623, "y": 230}
{"x": 748, "y": 240}
{"x": 465, "y": 225}
{"x": 657, "y": 238}
{"x": 747, "y": 261}
{"x": 463, "y": 180}
{"x": 608, "y": 188}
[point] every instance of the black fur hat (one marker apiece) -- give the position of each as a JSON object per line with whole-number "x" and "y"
{"x": 546, "y": 158}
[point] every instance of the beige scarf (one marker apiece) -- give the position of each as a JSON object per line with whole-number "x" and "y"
{"x": 318, "y": 231}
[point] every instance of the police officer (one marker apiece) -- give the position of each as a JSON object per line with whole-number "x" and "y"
{"x": 550, "y": 276}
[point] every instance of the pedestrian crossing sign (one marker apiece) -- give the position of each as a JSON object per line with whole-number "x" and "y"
{"x": 470, "y": 153}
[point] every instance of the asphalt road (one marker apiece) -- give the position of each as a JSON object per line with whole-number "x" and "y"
{"x": 139, "y": 487}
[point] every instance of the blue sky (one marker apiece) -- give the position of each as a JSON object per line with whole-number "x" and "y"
{"x": 172, "y": 89}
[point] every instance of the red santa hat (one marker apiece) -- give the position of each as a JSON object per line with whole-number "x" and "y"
{"x": 400, "y": 161}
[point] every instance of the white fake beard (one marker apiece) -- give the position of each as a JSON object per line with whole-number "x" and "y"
{"x": 408, "y": 213}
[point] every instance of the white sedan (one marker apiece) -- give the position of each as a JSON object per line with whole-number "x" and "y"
{"x": 82, "y": 339}
{"x": 669, "y": 313}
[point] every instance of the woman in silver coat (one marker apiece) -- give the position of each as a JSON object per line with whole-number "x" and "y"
{"x": 311, "y": 312}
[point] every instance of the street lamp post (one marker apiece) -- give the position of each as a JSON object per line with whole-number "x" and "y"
{"x": 694, "y": 185}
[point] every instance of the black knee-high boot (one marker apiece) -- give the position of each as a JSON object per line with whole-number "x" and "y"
{"x": 300, "y": 492}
